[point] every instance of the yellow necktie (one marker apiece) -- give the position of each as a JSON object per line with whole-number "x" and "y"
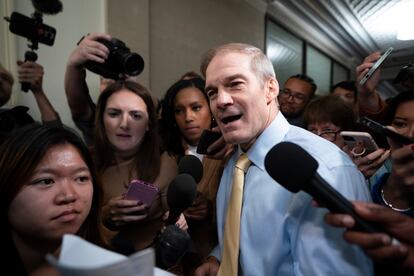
{"x": 230, "y": 256}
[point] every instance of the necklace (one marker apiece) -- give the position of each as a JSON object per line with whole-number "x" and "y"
{"x": 392, "y": 207}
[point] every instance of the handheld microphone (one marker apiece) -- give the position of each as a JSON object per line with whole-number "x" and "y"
{"x": 285, "y": 158}
{"x": 191, "y": 165}
{"x": 180, "y": 195}
{"x": 172, "y": 243}
{"x": 171, "y": 246}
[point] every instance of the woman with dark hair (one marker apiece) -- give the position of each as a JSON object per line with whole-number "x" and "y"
{"x": 48, "y": 188}
{"x": 327, "y": 116}
{"x": 126, "y": 148}
{"x": 395, "y": 188}
{"x": 185, "y": 114}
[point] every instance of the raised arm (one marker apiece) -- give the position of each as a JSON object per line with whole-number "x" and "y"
{"x": 32, "y": 72}
{"x": 369, "y": 98}
{"x": 77, "y": 92}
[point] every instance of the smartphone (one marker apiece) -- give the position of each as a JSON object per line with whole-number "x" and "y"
{"x": 142, "y": 191}
{"x": 383, "y": 130}
{"x": 207, "y": 138}
{"x": 376, "y": 65}
{"x": 351, "y": 138}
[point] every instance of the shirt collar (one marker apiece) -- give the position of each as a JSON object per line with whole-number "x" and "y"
{"x": 272, "y": 135}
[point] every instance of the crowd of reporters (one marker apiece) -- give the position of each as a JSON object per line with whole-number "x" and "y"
{"x": 133, "y": 136}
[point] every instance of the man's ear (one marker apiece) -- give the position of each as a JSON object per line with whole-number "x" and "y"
{"x": 272, "y": 90}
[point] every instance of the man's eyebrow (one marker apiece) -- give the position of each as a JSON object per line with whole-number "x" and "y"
{"x": 209, "y": 87}
{"x": 227, "y": 79}
{"x": 235, "y": 76}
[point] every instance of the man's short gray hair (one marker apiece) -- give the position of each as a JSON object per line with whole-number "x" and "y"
{"x": 260, "y": 63}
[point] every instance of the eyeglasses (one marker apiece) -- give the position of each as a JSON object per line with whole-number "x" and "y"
{"x": 296, "y": 96}
{"x": 329, "y": 135}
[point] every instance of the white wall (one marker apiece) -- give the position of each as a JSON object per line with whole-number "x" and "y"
{"x": 128, "y": 20}
{"x": 173, "y": 35}
{"x": 189, "y": 28}
{"x": 170, "y": 35}
{"x": 78, "y": 18}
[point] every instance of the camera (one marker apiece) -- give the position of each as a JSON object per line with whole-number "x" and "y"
{"x": 35, "y": 31}
{"x": 120, "y": 61}
{"x": 32, "y": 28}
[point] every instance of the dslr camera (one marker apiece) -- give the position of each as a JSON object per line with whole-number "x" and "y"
{"x": 120, "y": 61}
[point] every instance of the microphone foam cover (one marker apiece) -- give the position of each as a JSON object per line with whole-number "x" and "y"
{"x": 191, "y": 165}
{"x": 48, "y": 6}
{"x": 181, "y": 193}
{"x": 290, "y": 165}
{"x": 171, "y": 245}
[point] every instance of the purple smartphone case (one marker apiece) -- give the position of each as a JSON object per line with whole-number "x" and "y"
{"x": 142, "y": 191}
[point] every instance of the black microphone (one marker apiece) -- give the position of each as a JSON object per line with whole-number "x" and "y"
{"x": 191, "y": 165}
{"x": 171, "y": 245}
{"x": 180, "y": 195}
{"x": 48, "y": 6}
{"x": 295, "y": 169}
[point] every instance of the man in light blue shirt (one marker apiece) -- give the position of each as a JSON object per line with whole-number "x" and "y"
{"x": 280, "y": 232}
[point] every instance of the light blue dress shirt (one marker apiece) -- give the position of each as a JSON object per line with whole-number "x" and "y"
{"x": 281, "y": 233}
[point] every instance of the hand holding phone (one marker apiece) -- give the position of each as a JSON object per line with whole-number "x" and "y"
{"x": 354, "y": 138}
{"x": 376, "y": 65}
{"x": 141, "y": 191}
{"x": 385, "y": 131}
{"x": 207, "y": 138}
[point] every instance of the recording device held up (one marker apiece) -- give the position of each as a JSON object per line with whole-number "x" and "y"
{"x": 207, "y": 138}
{"x": 284, "y": 158}
{"x": 171, "y": 246}
{"x": 376, "y": 65}
{"x": 172, "y": 243}
{"x": 33, "y": 28}
{"x": 385, "y": 131}
{"x": 191, "y": 165}
{"x": 120, "y": 61}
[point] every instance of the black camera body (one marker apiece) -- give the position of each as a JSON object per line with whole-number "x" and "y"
{"x": 32, "y": 28}
{"x": 120, "y": 61}
{"x": 35, "y": 31}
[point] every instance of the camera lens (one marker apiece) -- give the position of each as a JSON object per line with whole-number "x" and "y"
{"x": 133, "y": 64}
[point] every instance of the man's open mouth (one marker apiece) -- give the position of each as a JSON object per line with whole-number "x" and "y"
{"x": 230, "y": 119}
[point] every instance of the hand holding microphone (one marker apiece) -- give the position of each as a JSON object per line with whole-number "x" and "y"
{"x": 173, "y": 242}
{"x": 285, "y": 157}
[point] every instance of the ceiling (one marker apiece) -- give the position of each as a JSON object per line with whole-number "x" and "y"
{"x": 351, "y": 29}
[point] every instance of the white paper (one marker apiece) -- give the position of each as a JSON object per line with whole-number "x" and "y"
{"x": 81, "y": 258}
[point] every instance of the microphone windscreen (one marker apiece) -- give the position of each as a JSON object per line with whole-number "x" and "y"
{"x": 191, "y": 165}
{"x": 181, "y": 193}
{"x": 47, "y": 6}
{"x": 290, "y": 165}
{"x": 171, "y": 245}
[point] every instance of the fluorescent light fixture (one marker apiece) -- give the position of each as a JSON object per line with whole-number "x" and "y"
{"x": 405, "y": 34}
{"x": 405, "y": 30}
{"x": 395, "y": 18}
